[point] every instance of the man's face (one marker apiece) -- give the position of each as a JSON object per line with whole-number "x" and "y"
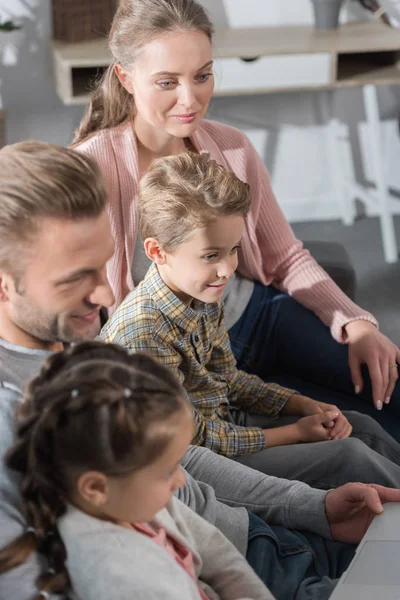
{"x": 63, "y": 286}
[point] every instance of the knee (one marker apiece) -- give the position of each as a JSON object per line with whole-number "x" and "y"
{"x": 361, "y": 422}
{"x": 351, "y": 451}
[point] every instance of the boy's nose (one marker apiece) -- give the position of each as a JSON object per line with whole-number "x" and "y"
{"x": 225, "y": 270}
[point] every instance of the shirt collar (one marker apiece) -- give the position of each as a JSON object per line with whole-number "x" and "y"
{"x": 186, "y": 317}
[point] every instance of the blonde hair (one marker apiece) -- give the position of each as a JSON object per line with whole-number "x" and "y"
{"x": 39, "y": 180}
{"x": 181, "y": 193}
{"x": 136, "y": 23}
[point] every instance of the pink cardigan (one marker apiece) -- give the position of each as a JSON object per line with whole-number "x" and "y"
{"x": 270, "y": 252}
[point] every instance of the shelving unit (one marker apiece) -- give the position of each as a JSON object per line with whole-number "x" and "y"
{"x": 276, "y": 59}
{"x": 356, "y": 54}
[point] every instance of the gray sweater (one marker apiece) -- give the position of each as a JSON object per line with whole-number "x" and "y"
{"x": 288, "y": 503}
{"x": 106, "y": 560}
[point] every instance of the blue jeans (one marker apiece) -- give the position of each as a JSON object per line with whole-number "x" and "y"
{"x": 296, "y": 565}
{"x": 282, "y": 341}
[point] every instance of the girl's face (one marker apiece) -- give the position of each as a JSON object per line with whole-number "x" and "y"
{"x": 138, "y": 497}
{"x": 171, "y": 83}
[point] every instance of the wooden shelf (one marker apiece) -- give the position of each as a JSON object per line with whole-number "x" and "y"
{"x": 359, "y": 53}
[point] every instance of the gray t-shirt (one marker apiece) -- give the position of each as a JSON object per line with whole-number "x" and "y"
{"x": 236, "y": 296}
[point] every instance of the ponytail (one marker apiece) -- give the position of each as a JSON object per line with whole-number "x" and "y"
{"x": 110, "y": 105}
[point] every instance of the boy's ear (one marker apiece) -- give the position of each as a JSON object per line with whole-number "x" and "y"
{"x": 154, "y": 251}
{"x": 124, "y": 78}
{"x": 92, "y": 486}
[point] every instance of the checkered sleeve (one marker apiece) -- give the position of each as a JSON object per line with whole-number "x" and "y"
{"x": 248, "y": 392}
{"x": 210, "y": 430}
{"x": 226, "y": 438}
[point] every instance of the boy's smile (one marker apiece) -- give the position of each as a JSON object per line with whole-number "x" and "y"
{"x": 201, "y": 267}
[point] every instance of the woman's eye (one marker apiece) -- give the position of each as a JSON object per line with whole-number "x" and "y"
{"x": 204, "y": 77}
{"x": 235, "y": 249}
{"x": 166, "y": 85}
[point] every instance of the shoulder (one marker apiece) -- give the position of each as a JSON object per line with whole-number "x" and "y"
{"x": 10, "y": 398}
{"x": 229, "y": 146}
{"x": 102, "y": 555}
{"x": 112, "y": 147}
{"x": 226, "y": 136}
{"x": 136, "y": 318}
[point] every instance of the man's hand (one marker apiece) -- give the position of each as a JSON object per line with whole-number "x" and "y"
{"x": 302, "y": 405}
{"x": 351, "y": 508}
{"x": 368, "y": 346}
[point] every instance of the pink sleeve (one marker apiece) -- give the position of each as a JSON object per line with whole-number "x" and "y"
{"x": 287, "y": 264}
{"x": 121, "y": 187}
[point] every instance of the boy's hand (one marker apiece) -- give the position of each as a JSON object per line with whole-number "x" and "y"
{"x": 316, "y": 428}
{"x": 302, "y": 405}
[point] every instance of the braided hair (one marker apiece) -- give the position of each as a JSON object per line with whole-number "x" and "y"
{"x": 92, "y": 407}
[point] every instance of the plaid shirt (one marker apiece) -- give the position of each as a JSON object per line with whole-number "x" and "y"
{"x": 193, "y": 342}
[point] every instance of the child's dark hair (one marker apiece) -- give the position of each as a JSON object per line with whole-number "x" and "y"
{"x": 92, "y": 407}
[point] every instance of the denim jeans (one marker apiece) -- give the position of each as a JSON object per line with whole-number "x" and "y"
{"x": 282, "y": 341}
{"x": 296, "y": 565}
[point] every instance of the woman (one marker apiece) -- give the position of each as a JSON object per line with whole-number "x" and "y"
{"x": 280, "y": 306}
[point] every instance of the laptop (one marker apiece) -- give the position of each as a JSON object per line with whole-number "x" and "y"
{"x": 374, "y": 573}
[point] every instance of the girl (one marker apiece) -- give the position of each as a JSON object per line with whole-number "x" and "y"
{"x": 280, "y": 305}
{"x": 100, "y": 439}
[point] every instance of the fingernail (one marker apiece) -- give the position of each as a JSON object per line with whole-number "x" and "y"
{"x": 357, "y": 389}
{"x": 379, "y": 405}
{"x": 387, "y": 400}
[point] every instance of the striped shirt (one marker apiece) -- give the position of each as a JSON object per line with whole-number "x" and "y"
{"x": 193, "y": 342}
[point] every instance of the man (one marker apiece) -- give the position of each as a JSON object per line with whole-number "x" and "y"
{"x": 55, "y": 242}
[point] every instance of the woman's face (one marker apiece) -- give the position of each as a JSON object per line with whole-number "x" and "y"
{"x": 171, "y": 83}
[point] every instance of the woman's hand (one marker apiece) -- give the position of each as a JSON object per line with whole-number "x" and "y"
{"x": 367, "y": 345}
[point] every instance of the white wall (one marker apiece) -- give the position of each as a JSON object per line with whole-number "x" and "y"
{"x": 286, "y": 128}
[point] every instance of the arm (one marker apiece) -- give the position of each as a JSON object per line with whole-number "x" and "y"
{"x": 293, "y": 270}
{"x": 211, "y": 430}
{"x": 19, "y": 583}
{"x": 291, "y": 504}
{"x": 246, "y": 391}
{"x": 286, "y": 263}
{"x": 223, "y": 569}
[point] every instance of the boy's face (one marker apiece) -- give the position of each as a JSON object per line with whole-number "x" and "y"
{"x": 201, "y": 267}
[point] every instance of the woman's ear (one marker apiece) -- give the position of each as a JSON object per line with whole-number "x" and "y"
{"x": 93, "y": 488}
{"x": 124, "y": 77}
{"x": 154, "y": 251}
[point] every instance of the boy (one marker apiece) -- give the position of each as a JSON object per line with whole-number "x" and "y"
{"x": 192, "y": 218}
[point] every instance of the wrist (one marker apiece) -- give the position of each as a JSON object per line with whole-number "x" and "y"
{"x": 294, "y": 406}
{"x": 282, "y": 436}
{"x": 357, "y": 328}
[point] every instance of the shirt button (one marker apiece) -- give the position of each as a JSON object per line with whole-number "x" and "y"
{"x": 196, "y": 339}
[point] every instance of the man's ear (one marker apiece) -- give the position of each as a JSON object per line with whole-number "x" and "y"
{"x": 124, "y": 77}
{"x": 92, "y": 487}
{"x": 5, "y": 283}
{"x": 154, "y": 251}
